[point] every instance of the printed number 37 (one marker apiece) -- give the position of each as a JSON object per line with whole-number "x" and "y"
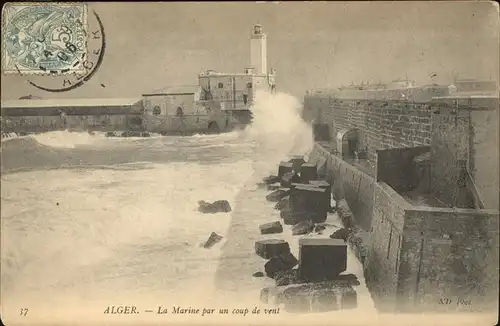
{"x": 24, "y": 311}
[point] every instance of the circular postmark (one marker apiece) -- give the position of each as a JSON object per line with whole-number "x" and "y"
{"x": 67, "y": 45}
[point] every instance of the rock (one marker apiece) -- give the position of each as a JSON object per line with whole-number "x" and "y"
{"x": 319, "y": 228}
{"x": 258, "y": 274}
{"x": 277, "y": 195}
{"x": 284, "y": 167}
{"x": 308, "y": 172}
{"x": 347, "y": 279}
{"x": 297, "y": 162}
{"x": 288, "y": 277}
{"x": 289, "y": 178}
{"x": 272, "y": 227}
{"x": 283, "y": 203}
{"x": 271, "y": 247}
{"x": 271, "y": 179}
{"x": 273, "y": 187}
{"x": 280, "y": 263}
{"x": 356, "y": 240}
{"x": 321, "y": 258}
{"x": 215, "y": 207}
{"x": 342, "y": 234}
{"x": 130, "y": 133}
{"x": 212, "y": 240}
{"x": 302, "y": 227}
{"x": 348, "y": 299}
{"x": 345, "y": 214}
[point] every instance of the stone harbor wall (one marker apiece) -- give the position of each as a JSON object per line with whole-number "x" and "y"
{"x": 349, "y": 183}
{"x": 417, "y": 258}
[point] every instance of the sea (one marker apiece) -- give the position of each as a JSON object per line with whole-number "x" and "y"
{"x": 90, "y": 222}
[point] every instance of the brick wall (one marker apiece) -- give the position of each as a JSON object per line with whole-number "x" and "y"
{"x": 451, "y": 253}
{"x": 382, "y": 124}
{"x": 471, "y": 135}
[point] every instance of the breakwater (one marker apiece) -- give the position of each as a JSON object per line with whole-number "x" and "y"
{"x": 411, "y": 247}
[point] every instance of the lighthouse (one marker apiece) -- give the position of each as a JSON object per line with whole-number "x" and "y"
{"x": 258, "y": 50}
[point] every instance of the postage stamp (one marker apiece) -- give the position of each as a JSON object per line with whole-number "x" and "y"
{"x": 44, "y": 38}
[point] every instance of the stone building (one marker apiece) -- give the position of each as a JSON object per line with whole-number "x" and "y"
{"x": 38, "y": 115}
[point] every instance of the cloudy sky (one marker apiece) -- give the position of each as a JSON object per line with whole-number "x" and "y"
{"x": 311, "y": 45}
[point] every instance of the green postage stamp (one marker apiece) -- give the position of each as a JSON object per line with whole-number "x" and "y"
{"x": 44, "y": 38}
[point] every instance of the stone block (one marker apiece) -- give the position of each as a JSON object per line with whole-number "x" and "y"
{"x": 296, "y": 300}
{"x": 310, "y": 297}
{"x": 303, "y": 227}
{"x": 271, "y": 179}
{"x": 270, "y": 228}
{"x": 281, "y": 263}
{"x": 324, "y": 300}
{"x": 308, "y": 172}
{"x": 321, "y": 258}
{"x": 297, "y": 161}
{"x": 271, "y": 247}
{"x": 328, "y": 190}
{"x": 318, "y": 228}
{"x": 288, "y": 277}
{"x": 288, "y": 179}
{"x": 283, "y": 204}
{"x": 288, "y": 219}
{"x": 308, "y": 202}
{"x": 284, "y": 167}
{"x": 274, "y": 186}
{"x": 341, "y": 233}
{"x": 277, "y": 195}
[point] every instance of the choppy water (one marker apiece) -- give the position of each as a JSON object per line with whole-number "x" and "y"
{"x": 90, "y": 221}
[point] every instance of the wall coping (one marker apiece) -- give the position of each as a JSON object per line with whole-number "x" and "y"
{"x": 467, "y": 211}
{"x": 326, "y": 152}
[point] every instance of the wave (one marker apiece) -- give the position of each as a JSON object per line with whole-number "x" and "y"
{"x": 277, "y": 131}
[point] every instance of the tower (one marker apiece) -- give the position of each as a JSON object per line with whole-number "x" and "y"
{"x": 258, "y": 50}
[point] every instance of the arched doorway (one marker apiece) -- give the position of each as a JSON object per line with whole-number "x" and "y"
{"x": 347, "y": 142}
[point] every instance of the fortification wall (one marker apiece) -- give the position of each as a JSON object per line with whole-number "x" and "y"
{"x": 418, "y": 257}
{"x": 449, "y": 254}
{"x": 349, "y": 183}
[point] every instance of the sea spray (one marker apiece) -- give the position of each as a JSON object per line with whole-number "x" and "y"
{"x": 65, "y": 139}
{"x": 277, "y": 131}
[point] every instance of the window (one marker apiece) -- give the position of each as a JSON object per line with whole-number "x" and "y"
{"x": 249, "y": 85}
{"x": 245, "y": 98}
{"x": 221, "y": 85}
{"x": 180, "y": 112}
{"x": 157, "y": 110}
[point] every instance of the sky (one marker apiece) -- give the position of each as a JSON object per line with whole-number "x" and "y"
{"x": 310, "y": 44}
